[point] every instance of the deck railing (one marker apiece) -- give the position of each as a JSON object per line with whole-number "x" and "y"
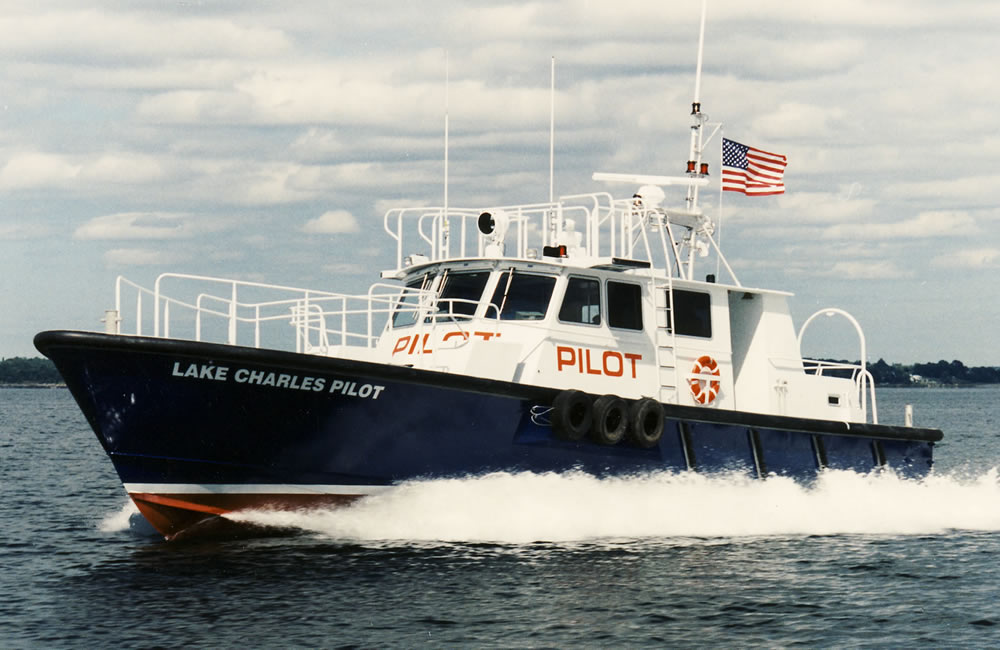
{"x": 203, "y": 308}
{"x": 864, "y": 382}
{"x": 594, "y": 223}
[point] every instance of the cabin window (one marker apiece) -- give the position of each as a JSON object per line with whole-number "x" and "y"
{"x": 521, "y": 296}
{"x": 409, "y": 302}
{"x": 692, "y": 313}
{"x": 624, "y": 305}
{"x": 460, "y": 293}
{"x": 582, "y": 302}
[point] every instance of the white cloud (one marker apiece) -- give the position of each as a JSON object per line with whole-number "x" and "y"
{"x": 32, "y": 170}
{"x": 149, "y": 225}
{"x": 978, "y": 188}
{"x": 829, "y": 265}
{"x": 118, "y": 34}
{"x": 128, "y": 168}
{"x": 346, "y": 268}
{"x": 22, "y": 231}
{"x": 383, "y": 204}
{"x": 867, "y": 270}
{"x": 36, "y": 169}
{"x": 333, "y": 222}
{"x": 796, "y": 119}
{"x": 853, "y": 250}
{"x": 799, "y": 209}
{"x": 338, "y": 94}
{"x": 191, "y": 106}
{"x": 118, "y": 257}
{"x": 319, "y": 143}
{"x": 943, "y": 223}
{"x": 973, "y": 258}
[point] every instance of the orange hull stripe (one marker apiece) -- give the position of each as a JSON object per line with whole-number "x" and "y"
{"x": 179, "y": 503}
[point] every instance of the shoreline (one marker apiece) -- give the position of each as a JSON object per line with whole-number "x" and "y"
{"x": 40, "y": 385}
{"x": 32, "y": 385}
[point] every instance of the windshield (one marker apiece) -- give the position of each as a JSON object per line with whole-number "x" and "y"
{"x": 461, "y": 293}
{"x": 522, "y": 296}
{"x": 409, "y": 301}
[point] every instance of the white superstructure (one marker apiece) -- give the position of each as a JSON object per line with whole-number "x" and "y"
{"x": 587, "y": 292}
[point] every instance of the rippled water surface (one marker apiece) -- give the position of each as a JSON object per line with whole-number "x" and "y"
{"x": 516, "y": 560}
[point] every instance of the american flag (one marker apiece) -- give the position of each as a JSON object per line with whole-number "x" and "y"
{"x": 751, "y": 171}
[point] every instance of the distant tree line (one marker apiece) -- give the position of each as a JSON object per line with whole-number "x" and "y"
{"x": 952, "y": 373}
{"x": 19, "y": 370}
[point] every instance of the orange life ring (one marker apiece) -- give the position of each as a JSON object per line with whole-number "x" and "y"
{"x": 705, "y": 390}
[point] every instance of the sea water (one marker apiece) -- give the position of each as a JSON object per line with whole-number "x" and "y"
{"x": 516, "y": 560}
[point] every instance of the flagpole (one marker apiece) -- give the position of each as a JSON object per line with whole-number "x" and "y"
{"x": 718, "y": 226}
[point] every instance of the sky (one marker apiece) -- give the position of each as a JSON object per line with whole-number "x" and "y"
{"x": 265, "y": 141}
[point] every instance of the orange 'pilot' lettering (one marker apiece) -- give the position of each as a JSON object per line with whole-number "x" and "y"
{"x": 613, "y": 363}
{"x": 401, "y": 344}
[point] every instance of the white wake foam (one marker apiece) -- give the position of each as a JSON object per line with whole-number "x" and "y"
{"x": 528, "y": 507}
{"x": 115, "y": 522}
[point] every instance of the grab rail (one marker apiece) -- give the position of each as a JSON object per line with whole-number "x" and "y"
{"x": 865, "y": 377}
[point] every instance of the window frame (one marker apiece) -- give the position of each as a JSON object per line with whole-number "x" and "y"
{"x": 607, "y": 299}
{"x": 672, "y": 320}
{"x": 600, "y": 301}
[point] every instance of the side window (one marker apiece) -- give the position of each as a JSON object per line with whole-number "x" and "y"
{"x": 409, "y": 302}
{"x": 522, "y": 296}
{"x": 624, "y": 305}
{"x": 461, "y": 293}
{"x": 692, "y": 313}
{"x": 582, "y": 302}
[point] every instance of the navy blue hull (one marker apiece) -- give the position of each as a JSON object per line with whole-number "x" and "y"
{"x": 177, "y": 412}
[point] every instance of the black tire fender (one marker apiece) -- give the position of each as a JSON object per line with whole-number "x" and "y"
{"x": 646, "y": 422}
{"x": 572, "y": 414}
{"x": 610, "y": 420}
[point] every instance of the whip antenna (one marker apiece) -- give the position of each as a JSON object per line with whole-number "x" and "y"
{"x": 447, "y": 83}
{"x": 552, "y": 131}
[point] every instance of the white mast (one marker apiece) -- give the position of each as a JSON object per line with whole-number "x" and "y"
{"x": 701, "y": 48}
{"x": 694, "y": 155}
{"x": 695, "y": 168}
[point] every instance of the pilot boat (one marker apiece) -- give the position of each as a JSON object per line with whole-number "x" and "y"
{"x": 577, "y": 333}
